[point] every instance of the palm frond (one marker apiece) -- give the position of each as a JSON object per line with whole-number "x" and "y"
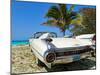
{"x": 52, "y": 22}
{"x": 63, "y": 9}
{"x": 78, "y": 20}
{"x": 71, "y": 8}
{"x": 53, "y": 12}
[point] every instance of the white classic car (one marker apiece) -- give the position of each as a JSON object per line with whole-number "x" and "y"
{"x": 50, "y": 49}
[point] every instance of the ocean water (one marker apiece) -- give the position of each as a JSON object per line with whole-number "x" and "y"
{"x": 19, "y": 42}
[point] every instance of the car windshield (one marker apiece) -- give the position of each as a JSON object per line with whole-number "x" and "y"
{"x": 38, "y": 34}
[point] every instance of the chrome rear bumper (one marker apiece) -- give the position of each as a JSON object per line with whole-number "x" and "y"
{"x": 71, "y": 58}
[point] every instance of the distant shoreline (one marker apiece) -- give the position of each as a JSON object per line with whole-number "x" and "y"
{"x": 19, "y": 46}
{"x": 19, "y": 42}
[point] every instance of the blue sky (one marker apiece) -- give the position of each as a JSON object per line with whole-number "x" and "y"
{"x": 27, "y": 18}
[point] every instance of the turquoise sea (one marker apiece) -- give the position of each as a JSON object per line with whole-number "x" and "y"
{"x": 19, "y": 42}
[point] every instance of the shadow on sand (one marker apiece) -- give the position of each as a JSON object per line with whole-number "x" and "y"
{"x": 84, "y": 64}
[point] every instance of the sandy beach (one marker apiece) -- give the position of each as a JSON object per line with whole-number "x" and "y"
{"x": 23, "y": 61}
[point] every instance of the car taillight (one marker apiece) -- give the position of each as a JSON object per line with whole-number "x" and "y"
{"x": 50, "y": 57}
{"x": 94, "y": 39}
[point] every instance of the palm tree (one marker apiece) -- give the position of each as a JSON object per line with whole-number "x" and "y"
{"x": 62, "y": 17}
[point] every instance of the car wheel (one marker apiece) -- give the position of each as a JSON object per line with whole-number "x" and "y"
{"x": 31, "y": 51}
{"x": 38, "y": 62}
